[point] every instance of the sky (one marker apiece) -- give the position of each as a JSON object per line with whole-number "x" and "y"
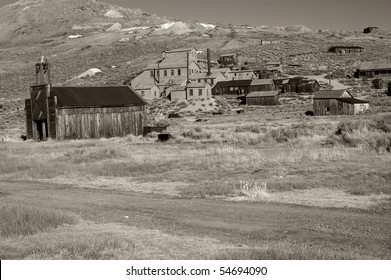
{"x": 351, "y": 15}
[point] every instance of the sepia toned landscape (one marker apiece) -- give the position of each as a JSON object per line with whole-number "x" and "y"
{"x": 231, "y": 180}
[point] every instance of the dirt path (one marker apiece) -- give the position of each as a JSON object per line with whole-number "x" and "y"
{"x": 244, "y": 223}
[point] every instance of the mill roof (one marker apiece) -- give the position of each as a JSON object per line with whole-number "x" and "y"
{"x": 96, "y": 96}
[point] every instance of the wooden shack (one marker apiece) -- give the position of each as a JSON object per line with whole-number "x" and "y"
{"x": 296, "y": 85}
{"x": 373, "y": 69}
{"x": 262, "y": 98}
{"x": 83, "y": 112}
{"x": 338, "y": 102}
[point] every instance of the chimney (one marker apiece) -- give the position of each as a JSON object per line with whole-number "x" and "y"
{"x": 208, "y": 58}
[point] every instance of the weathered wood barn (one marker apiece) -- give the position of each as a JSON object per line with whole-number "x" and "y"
{"x": 338, "y": 102}
{"x": 372, "y": 69}
{"x": 346, "y": 49}
{"x": 82, "y": 112}
{"x": 262, "y": 98}
{"x": 296, "y": 85}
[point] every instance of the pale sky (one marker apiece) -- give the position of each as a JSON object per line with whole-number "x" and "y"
{"x": 315, "y": 14}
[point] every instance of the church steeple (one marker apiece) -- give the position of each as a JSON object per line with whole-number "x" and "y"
{"x": 42, "y": 72}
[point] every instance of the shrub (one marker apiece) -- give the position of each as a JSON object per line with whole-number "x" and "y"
{"x": 253, "y": 190}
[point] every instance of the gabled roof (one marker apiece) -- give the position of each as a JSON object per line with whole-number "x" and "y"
{"x": 197, "y": 85}
{"x": 96, "y": 96}
{"x": 204, "y": 75}
{"x": 375, "y": 65}
{"x": 146, "y": 83}
{"x": 331, "y": 94}
{"x": 262, "y": 94}
{"x": 352, "y": 100}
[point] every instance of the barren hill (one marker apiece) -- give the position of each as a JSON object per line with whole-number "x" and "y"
{"x": 35, "y": 19}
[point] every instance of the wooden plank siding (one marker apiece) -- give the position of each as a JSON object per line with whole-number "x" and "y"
{"x": 85, "y": 123}
{"x": 52, "y": 116}
{"x": 29, "y": 119}
{"x": 269, "y": 100}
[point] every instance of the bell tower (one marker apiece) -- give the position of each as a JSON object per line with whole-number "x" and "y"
{"x": 42, "y": 72}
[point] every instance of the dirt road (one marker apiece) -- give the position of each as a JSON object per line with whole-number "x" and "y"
{"x": 240, "y": 223}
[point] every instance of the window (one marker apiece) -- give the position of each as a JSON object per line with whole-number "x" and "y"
{"x": 191, "y": 92}
{"x": 155, "y": 93}
{"x": 200, "y": 91}
{"x": 179, "y": 72}
{"x": 172, "y": 72}
{"x": 199, "y": 80}
{"x": 165, "y": 73}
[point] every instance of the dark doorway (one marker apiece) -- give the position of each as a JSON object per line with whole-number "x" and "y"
{"x": 42, "y": 128}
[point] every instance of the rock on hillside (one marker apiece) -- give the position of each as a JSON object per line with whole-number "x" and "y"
{"x": 28, "y": 20}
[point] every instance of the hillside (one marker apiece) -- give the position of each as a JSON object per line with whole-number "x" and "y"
{"x": 121, "y": 42}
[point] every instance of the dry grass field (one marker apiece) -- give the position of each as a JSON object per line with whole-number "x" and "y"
{"x": 251, "y": 186}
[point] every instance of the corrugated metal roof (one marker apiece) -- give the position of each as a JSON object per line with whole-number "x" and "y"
{"x": 375, "y": 65}
{"x": 352, "y": 100}
{"x": 262, "y": 94}
{"x": 104, "y": 96}
{"x": 331, "y": 94}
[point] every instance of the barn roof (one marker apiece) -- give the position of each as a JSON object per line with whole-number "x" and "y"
{"x": 96, "y": 96}
{"x": 258, "y": 82}
{"x": 375, "y": 65}
{"x": 331, "y": 94}
{"x": 352, "y": 100}
{"x": 262, "y": 94}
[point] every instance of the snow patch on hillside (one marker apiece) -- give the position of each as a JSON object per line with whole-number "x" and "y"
{"x": 91, "y": 72}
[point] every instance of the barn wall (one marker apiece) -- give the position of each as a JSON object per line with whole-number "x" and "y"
{"x": 262, "y": 101}
{"x": 84, "y": 123}
{"x": 323, "y": 107}
{"x": 29, "y": 119}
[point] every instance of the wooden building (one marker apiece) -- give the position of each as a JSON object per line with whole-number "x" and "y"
{"x": 346, "y": 49}
{"x": 389, "y": 89}
{"x": 296, "y": 85}
{"x": 242, "y": 87}
{"x": 338, "y": 102}
{"x": 82, "y": 112}
{"x": 373, "y": 69}
{"x": 262, "y": 98}
{"x": 274, "y": 66}
{"x": 226, "y": 60}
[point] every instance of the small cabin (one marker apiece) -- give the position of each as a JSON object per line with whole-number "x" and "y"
{"x": 262, "y": 98}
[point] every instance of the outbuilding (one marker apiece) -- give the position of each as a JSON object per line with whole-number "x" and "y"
{"x": 262, "y": 98}
{"x": 338, "y": 102}
{"x": 83, "y": 112}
